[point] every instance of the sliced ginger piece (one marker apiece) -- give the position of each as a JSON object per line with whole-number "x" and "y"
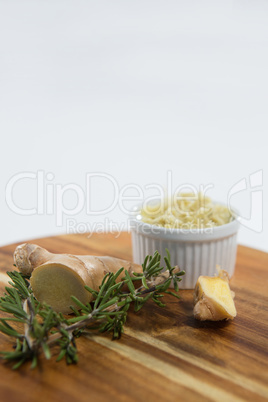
{"x": 57, "y": 277}
{"x": 213, "y": 298}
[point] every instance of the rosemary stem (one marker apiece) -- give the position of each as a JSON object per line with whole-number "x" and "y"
{"x": 90, "y": 317}
{"x": 80, "y": 324}
{"x": 27, "y": 333}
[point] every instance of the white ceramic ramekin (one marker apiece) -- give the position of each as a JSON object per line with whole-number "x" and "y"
{"x": 196, "y": 251}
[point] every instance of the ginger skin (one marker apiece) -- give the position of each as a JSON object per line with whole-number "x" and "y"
{"x": 213, "y": 298}
{"x": 57, "y": 277}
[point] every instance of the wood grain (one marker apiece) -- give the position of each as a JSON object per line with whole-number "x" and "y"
{"x": 164, "y": 355}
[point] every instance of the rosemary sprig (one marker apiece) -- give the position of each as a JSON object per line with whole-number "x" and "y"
{"x": 38, "y": 327}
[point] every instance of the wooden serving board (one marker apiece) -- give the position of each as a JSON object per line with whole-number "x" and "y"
{"x": 165, "y": 354}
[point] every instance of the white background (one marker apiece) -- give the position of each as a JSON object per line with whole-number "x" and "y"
{"x": 131, "y": 89}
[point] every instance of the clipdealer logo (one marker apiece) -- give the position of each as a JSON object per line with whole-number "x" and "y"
{"x": 51, "y": 198}
{"x": 252, "y": 187}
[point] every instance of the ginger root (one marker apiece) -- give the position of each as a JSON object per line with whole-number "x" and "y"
{"x": 57, "y": 277}
{"x": 213, "y": 298}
